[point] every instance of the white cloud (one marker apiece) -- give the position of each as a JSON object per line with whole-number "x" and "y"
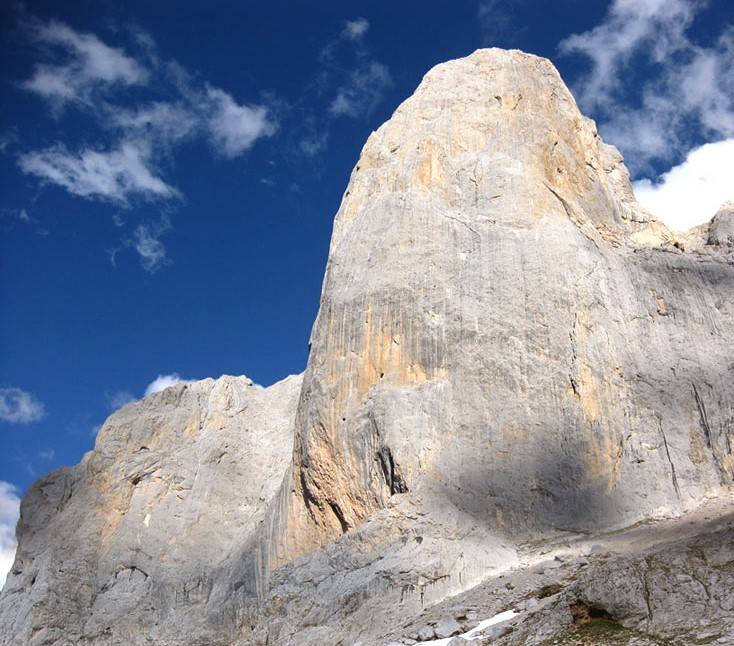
{"x": 113, "y": 175}
{"x": 47, "y": 454}
{"x": 9, "y": 512}
{"x": 690, "y": 193}
{"x": 146, "y": 241}
{"x": 363, "y": 90}
{"x": 628, "y": 26}
{"x": 19, "y": 407}
{"x": 90, "y": 64}
{"x": 145, "y": 131}
{"x": 355, "y": 29}
{"x": 687, "y": 88}
{"x": 235, "y": 128}
{"x": 161, "y": 382}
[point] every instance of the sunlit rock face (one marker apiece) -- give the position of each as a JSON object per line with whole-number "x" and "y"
{"x": 508, "y": 348}
{"x": 503, "y": 326}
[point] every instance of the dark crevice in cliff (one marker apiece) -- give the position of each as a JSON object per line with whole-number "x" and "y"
{"x": 391, "y": 471}
{"x": 340, "y": 516}
{"x": 673, "y": 477}
{"x": 702, "y": 413}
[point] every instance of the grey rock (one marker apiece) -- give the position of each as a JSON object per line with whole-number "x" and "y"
{"x": 498, "y": 315}
{"x": 426, "y": 633}
{"x": 447, "y": 627}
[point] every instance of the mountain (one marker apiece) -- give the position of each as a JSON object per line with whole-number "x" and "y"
{"x": 512, "y": 359}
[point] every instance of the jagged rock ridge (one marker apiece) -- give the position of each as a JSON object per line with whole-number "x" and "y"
{"x": 508, "y": 348}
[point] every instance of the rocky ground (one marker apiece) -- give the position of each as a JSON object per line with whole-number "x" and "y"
{"x": 660, "y": 582}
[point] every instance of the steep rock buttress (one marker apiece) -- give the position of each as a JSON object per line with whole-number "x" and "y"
{"x": 501, "y": 325}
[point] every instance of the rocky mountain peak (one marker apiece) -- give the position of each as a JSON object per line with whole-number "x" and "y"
{"x": 510, "y": 356}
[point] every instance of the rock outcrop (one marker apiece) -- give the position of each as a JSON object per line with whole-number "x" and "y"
{"x": 508, "y": 349}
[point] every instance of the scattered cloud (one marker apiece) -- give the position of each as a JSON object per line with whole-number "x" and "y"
{"x": 47, "y": 454}
{"x": 235, "y": 128}
{"x": 161, "y": 382}
{"x": 119, "y": 399}
{"x": 114, "y": 175}
{"x": 19, "y": 407}
{"x": 89, "y": 65}
{"x": 688, "y": 89}
{"x": 9, "y": 513}
{"x": 137, "y": 132}
{"x": 146, "y": 130}
{"x": 356, "y": 29}
{"x": 350, "y": 79}
{"x": 363, "y": 90}
{"x": 690, "y": 193}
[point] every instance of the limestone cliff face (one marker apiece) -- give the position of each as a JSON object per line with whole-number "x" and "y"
{"x": 503, "y": 325}
{"x": 507, "y": 348}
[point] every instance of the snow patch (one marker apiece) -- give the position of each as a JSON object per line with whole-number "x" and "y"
{"x": 475, "y": 633}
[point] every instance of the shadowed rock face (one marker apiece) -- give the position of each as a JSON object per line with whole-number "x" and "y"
{"x": 508, "y": 347}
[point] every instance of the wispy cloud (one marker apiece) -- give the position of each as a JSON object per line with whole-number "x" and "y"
{"x": 688, "y": 88}
{"x": 113, "y": 175}
{"x": 89, "y": 65}
{"x": 351, "y": 81}
{"x": 691, "y": 192}
{"x": 363, "y": 90}
{"x": 146, "y": 241}
{"x": 20, "y": 407}
{"x": 364, "y": 82}
{"x": 47, "y": 454}
{"x": 500, "y": 21}
{"x": 9, "y": 513}
{"x": 21, "y": 217}
{"x": 165, "y": 122}
{"x": 355, "y": 29}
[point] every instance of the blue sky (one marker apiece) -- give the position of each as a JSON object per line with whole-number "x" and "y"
{"x": 170, "y": 172}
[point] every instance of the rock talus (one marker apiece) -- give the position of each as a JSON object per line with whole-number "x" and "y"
{"x": 509, "y": 350}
